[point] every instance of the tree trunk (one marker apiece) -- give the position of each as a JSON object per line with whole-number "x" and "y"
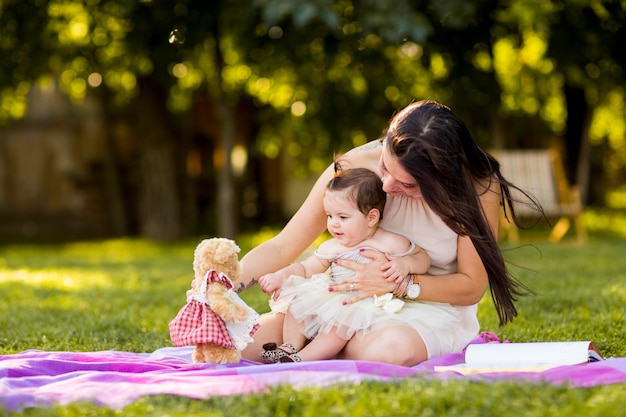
{"x": 583, "y": 172}
{"x": 226, "y": 221}
{"x": 577, "y": 146}
{"x": 117, "y": 212}
{"x": 187, "y": 190}
{"x": 576, "y": 110}
{"x": 498, "y": 134}
{"x": 158, "y": 202}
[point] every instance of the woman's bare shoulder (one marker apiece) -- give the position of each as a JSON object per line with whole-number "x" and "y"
{"x": 488, "y": 189}
{"x": 364, "y": 156}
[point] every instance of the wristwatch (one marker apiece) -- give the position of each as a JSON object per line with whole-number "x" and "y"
{"x": 413, "y": 290}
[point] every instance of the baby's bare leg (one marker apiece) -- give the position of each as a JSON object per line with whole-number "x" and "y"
{"x": 324, "y": 346}
{"x": 292, "y": 333}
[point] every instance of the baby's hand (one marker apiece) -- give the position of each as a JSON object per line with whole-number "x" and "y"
{"x": 270, "y": 284}
{"x": 395, "y": 269}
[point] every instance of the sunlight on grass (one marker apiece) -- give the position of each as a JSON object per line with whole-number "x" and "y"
{"x": 68, "y": 280}
{"x": 86, "y": 265}
{"x": 92, "y": 295}
{"x": 615, "y": 291}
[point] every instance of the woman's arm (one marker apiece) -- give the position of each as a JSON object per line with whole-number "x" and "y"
{"x": 298, "y": 234}
{"x": 464, "y": 287}
{"x": 305, "y": 226}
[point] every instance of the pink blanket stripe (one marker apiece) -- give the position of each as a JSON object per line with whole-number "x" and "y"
{"x": 115, "y": 379}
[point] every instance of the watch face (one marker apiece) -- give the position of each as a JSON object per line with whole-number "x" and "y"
{"x": 413, "y": 291}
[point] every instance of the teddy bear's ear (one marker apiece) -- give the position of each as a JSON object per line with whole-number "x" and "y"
{"x": 236, "y": 248}
{"x": 225, "y": 250}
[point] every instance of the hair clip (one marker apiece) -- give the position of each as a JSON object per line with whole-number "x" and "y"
{"x": 336, "y": 174}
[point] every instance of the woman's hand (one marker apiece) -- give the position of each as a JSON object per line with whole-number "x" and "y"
{"x": 368, "y": 279}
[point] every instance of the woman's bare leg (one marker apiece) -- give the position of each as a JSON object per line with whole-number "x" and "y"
{"x": 399, "y": 345}
{"x": 270, "y": 330}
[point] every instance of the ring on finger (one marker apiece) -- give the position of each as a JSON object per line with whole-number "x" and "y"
{"x": 351, "y": 286}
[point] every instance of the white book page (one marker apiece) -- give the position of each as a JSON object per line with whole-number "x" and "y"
{"x": 524, "y": 354}
{"x": 523, "y": 357}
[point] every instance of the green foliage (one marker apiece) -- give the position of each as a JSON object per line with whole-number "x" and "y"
{"x": 329, "y": 73}
{"x": 120, "y": 294}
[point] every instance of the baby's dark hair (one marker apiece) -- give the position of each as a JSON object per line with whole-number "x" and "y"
{"x": 364, "y": 187}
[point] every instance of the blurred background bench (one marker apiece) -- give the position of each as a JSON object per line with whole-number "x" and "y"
{"x": 540, "y": 173}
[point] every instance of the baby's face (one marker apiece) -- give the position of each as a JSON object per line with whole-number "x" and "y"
{"x": 345, "y": 222}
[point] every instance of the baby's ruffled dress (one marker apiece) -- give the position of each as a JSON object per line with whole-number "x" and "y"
{"x": 321, "y": 311}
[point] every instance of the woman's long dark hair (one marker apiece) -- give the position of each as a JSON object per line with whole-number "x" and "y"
{"x": 437, "y": 149}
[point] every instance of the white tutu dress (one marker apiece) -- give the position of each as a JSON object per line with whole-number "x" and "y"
{"x": 321, "y": 311}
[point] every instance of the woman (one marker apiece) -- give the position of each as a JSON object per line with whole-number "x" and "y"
{"x": 444, "y": 194}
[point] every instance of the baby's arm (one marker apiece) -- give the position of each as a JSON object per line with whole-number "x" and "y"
{"x": 398, "y": 267}
{"x": 271, "y": 283}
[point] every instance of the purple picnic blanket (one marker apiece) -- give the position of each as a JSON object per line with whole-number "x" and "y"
{"x": 115, "y": 379}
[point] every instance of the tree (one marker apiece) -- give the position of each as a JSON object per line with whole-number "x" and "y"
{"x": 227, "y": 51}
{"x": 306, "y": 79}
{"x": 563, "y": 62}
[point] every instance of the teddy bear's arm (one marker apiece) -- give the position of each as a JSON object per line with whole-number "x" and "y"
{"x": 220, "y": 302}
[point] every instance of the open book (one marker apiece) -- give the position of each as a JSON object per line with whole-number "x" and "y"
{"x": 524, "y": 357}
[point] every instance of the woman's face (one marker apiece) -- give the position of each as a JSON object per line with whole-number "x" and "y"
{"x": 396, "y": 181}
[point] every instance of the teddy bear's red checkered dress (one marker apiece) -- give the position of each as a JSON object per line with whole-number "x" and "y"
{"x": 197, "y": 323}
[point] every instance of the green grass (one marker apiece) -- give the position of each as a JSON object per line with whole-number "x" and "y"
{"x": 120, "y": 294}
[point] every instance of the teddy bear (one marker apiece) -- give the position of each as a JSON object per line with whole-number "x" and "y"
{"x": 215, "y": 318}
